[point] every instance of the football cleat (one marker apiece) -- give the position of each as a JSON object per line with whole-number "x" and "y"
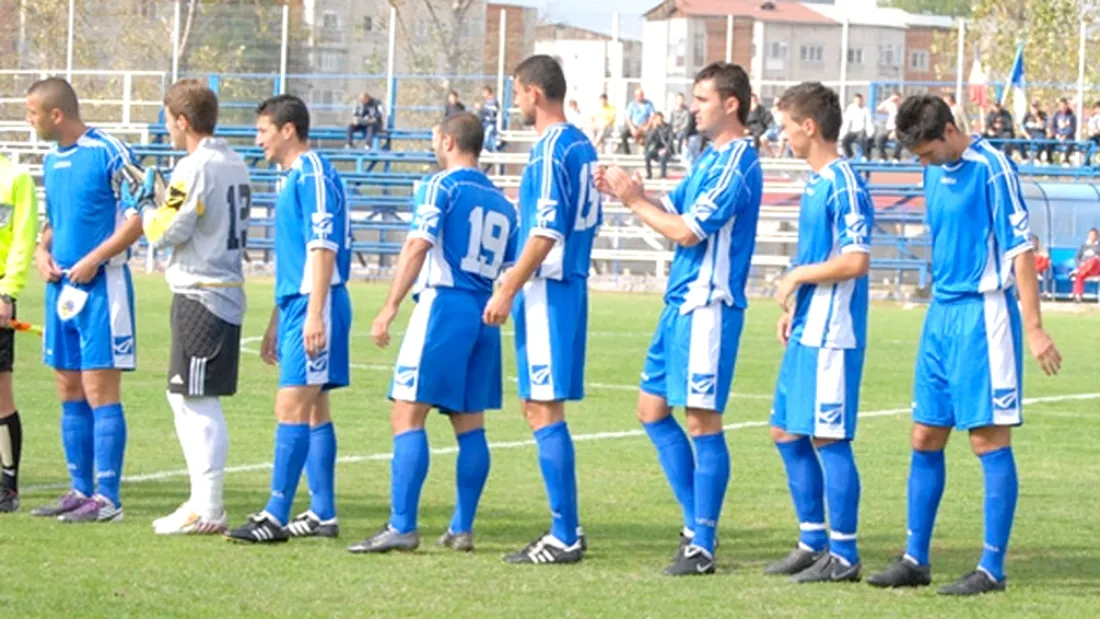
{"x": 798, "y": 560}
{"x": 828, "y": 568}
{"x": 975, "y": 583}
{"x": 186, "y": 522}
{"x": 581, "y": 539}
{"x": 307, "y": 524}
{"x": 902, "y": 573}
{"x": 95, "y": 509}
{"x": 462, "y": 542}
{"x": 546, "y": 549}
{"x": 260, "y": 528}
{"x": 9, "y": 501}
{"x": 386, "y": 539}
{"x": 691, "y": 561}
{"x": 66, "y": 503}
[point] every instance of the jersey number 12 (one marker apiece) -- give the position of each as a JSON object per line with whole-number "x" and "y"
{"x": 488, "y": 235}
{"x": 240, "y": 205}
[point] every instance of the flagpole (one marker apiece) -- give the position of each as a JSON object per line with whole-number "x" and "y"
{"x": 1081, "y": 79}
{"x": 959, "y": 63}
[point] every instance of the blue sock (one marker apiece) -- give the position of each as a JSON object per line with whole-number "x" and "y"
{"x": 471, "y": 471}
{"x": 927, "y": 477}
{"x": 110, "y": 447}
{"x": 556, "y": 460}
{"x": 408, "y": 469}
{"x": 291, "y": 451}
{"x": 842, "y": 492}
{"x": 77, "y": 423}
{"x": 1001, "y": 487}
{"x": 807, "y": 486}
{"x": 678, "y": 461}
{"x": 712, "y": 474}
{"x": 321, "y": 468}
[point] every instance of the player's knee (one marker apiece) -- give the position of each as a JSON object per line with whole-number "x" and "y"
{"x": 69, "y": 387}
{"x": 467, "y": 422}
{"x": 779, "y": 435}
{"x": 990, "y": 438}
{"x": 101, "y": 387}
{"x": 929, "y": 438}
{"x": 406, "y": 416}
{"x": 542, "y": 414}
{"x": 651, "y": 408}
{"x": 703, "y": 422}
{"x": 293, "y": 405}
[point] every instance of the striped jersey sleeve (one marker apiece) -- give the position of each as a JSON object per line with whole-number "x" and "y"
{"x": 320, "y": 204}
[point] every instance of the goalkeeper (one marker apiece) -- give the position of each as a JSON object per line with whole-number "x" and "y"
{"x": 18, "y": 228}
{"x": 204, "y": 220}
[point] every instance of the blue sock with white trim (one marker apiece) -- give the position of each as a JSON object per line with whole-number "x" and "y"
{"x": 712, "y": 475}
{"x": 408, "y": 470}
{"x": 471, "y": 472}
{"x": 678, "y": 461}
{"x": 927, "y": 477}
{"x": 110, "y": 448}
{"x": 77, "y": 437}
{"x": 321, "y": 469}
{"x": 291, "y": 451}
{"x": 557, "y": 461}
{"x": 806, "y": 483}
{"x": 842, "y": 491}
{"x": 1001, "y": 489}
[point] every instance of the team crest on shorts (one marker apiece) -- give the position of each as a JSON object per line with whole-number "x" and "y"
{"x": 1005, "y": 400}
{"x": 318, "y": 364}
{"x": 405, "y": 376}
{"x": 540, "y": 374}
{"x": 123, "y": 345}
{"x": 702, "y": 384}
{"x": 830, "y": 414}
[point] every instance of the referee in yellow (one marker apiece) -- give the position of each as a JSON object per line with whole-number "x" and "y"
{"x": 18, "y": 235}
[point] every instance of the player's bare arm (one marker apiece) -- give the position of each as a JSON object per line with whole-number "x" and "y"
{"x": 1038, "y": 340}
{"x": 630, "y": 190}
{"x": 43, "y": 259}
{"x": 313, "y": 332}
{"x": 125, "y": 236}
{"x": 269, "y": 347}
{"x": 840, "y": 268}
{"x": 783, "y": 327}
{"x": 534, "y": 253}
{"x": 409, "y": 264}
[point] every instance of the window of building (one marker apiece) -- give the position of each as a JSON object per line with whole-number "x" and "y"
{"x": 812, "y": 53}
{"x": 330, "y": 20}
{"x": 676, "y": 53}
{"x": 918, "y": 60}
{"x": 888, "y": 55}
{"x": 699, "y": 46}
{"x": 368, "y": 23}
{"x": 855, "y": 55}
{"x": 332, "y": 62}
{"x": 776, "y": 58}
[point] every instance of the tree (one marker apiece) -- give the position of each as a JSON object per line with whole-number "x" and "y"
{"x": 932, "y": 7}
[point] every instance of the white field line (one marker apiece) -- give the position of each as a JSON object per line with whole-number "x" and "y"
{"x": 596, "y": 436}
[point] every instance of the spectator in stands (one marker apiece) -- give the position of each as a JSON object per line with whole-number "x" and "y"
{"x": 573, "y": 114}
{"x": 659, "y": 145}
{"x": 694, "y": 142}
{"x": 454, "y": 106}
{"x": 489, "y": 110}
{"x": 1035, "y": 127}
{"x": 958, "y": 113}
{"x": 999, "y": 127}
{"x": 775, "y": 134}
{"x": 1063, "y": 129}
{"x": 1088, "y": 263}
{"x": 1094, "y": 128}
{"x": 1042, "y": 261}
{"x": 638, "y": 115}
{"x": 367, "y": 119}
{"x": 679, "y": 118}
{"x": 857, "y": 127}
{"x": 760, "y": 118}
{"x": 603, "y": 122}
{"x": 890, "y": 108}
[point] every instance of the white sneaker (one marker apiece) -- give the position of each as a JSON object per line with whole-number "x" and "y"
{"x": 186, "y": 522}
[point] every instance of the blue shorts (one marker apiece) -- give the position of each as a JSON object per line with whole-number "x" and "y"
{"x": 449, "y": 357}
{"x": 551, "y": 319}
{"x": 101, "y": 335}
{"x": 970, "y": 363}
{"x": 691, "y": 358}
{"x": 817, "y": 393}
{"x": 331, "y": 367}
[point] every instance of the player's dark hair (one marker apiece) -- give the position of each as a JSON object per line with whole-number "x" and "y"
{"x": 922, "y": 118}
{"x": 730, "y": 80}
{"x": 283, "y": 109}
{"x": 194, "y": 101}
{"x": 815, "y": 101}
{"x": 56, "y": 94}
{"x": 466, "y": 129}
{"x": 544, "y": 73}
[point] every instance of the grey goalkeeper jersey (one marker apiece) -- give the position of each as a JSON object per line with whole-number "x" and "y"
{"x": 204, "y": 220}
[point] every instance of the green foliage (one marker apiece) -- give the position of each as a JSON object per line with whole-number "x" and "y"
{"x": 932, "y": 7}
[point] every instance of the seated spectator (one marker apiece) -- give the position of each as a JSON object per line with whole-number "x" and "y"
{"x": 366, "y": 119}
{"x": 1094, "y": 128}
{"x": 1035, "y": 127}
{"x": 857, "y": 127}
{"x": 573, "y": 114}
{"x": 758, "y": 121}
{"x": 638, "y": 114}
{"x": 678, "y": 119}
{"x": 603, "y": 122}
{"x": 1042, "y": 258}
{"x": 1088, "y": 263}
{"x": 454, "y": 106}
{"x": 1063, "y": 128}
{"x": 489, "y": 112}
{"x": 659, "y": 143}
{"x": 999, "y": 127}
{"x": 890, "y": 108}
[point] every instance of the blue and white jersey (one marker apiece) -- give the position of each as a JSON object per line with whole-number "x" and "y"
{"x": 835, "y": 217}
{"x": 82, "y": 205}
{"x": 471, "y": 226}
{"x": 978, "y": 222}
{"x": 310, "y": 213}
{"x": 720, "y": 201}
{"x": 558, "y": 200}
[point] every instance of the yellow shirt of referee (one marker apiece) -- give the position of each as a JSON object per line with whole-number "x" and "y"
{"x": 18, "y": 234}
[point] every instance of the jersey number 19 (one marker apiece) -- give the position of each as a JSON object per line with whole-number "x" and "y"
{"x": 488, "y": 242}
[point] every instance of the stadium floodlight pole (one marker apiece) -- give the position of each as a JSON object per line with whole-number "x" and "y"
{"x": 1081, "y": 77}
{"x": 69, "y": 50}
{"x": 844, "y": 32}
{"x": 729, "y": 37}
{"x": 282, "y": 52}
{"x": 391, "y": 93}
{"x": 176, "y": 44}
{"x": 959, "y": 59}
{"x": 500, "y": 70}
{"x": 617, "y": 67}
